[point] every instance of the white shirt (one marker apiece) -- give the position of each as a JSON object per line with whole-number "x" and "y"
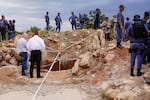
{"x": 22, "y": 45}
{"x": 36, "y": 43}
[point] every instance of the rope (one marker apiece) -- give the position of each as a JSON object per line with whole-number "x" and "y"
{"x": 45, "y": 76}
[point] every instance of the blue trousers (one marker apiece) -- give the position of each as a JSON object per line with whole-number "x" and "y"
{"x": 58, "y": 27}
{"x": 11, "y": 35}
{"x": 137, "y": 51}
{"x": 24, "y": 56}
{"x": 74, "y": 26}
{"x": 119, "y": 34}
{"x": 47, "y": 25}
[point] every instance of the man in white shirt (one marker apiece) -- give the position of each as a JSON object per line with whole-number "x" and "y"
{"x": 35, "y": 46}
{"x": 23, "y": 51}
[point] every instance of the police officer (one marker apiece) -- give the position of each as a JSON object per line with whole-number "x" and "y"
{"x": 73, "y": 21}
{"x": 146, "y": 58}
{"x": 58, "y": 22}
{"x": 81, "y": 20}
{"x": 3, "y": 27}
{"x": 120, "y": 25}
{"x": 97, "y": 19}
{"x": 47, "y": 20}
{"x": 137, "y": 33}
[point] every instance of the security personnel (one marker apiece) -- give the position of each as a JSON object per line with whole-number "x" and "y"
{"x": 58, "y": 22}
{"x": 137, "y": 33}
{"x": 120, "y": 25}
{"x": 73, "y": 21}
{"x": 81, "y": 20}
{"x": 47, "y": 20}
{"x": 97, "y": 19}
{"x": 146, "y": 51}
{"x": 3, "y": 27}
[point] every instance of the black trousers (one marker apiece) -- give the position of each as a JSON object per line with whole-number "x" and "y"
{"x": 3, "y": 33}
{"x": 35, "y": 58}
{"x": 146, "y": 55}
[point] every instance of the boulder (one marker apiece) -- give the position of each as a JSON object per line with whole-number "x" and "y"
{"x": 7, "y": 58}
{"x": 13, "y": 61}
{"x": 109, "y": 56}
{"x": 15, "y": 54}
{"x": 84, "y": 62}
{"x": 1, "y": 56}
{"x": 4, "y": 49}
{"x": 9, "y": 73}
{"x": 75, "y": 68}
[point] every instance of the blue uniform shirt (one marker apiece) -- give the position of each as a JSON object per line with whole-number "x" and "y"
{"x": 120, "y": 17}
{"x": 4, "y": 24}
{"x": 73, "y": 19}
{"x": 47, "y": 18}
{"x": 127, "y": 24}
{"x": 132, "y": 39}
{"x": 58, "y": 19}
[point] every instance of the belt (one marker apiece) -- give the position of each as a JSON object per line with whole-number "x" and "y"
{"x": 36, "y": 50}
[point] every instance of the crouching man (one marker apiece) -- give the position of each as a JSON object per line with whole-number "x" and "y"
{"x": 137, "y": 33}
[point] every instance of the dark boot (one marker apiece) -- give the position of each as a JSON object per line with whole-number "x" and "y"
{"x": 119, "y": 46}
{"x": 139, "y": 73}
{"x": 132, "y": 72}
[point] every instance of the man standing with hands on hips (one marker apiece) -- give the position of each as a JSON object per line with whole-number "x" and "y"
{"x": 36, "y": 46}
{"x": 120, "y": 26}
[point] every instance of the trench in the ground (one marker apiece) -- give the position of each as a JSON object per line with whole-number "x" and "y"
{"x": 58, "y": 65}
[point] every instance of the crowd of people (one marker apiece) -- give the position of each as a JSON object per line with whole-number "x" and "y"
{"x": 73, "y": 19}
{"x": 7, "y": 27}
{"x": 137, "y": 32}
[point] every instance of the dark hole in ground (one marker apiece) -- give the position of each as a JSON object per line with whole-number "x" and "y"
{"x": 60, "y": 66}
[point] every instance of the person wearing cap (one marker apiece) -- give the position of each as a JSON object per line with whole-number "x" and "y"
{"x": 47, "y": 20}
{"x": 3, "y": 27}
{"x": 23, "y": 52}
{"x": 58, "y": 22}
{"x": 137, "y": 34}
{"x": 36, "y": 46}
{"x": 146, "y": 58}
{"x": 97, "y": 19}
{"x": 120, "y": 25}
{"x": 73, "y": 20}
{"x": 81, "y": 20}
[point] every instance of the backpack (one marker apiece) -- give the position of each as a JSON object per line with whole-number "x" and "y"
{"x": 138, "y": 31}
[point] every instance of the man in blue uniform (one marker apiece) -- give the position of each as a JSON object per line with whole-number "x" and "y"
{"x": 73, "y": 21}
{"x": 137, "y": 33}
{"x": 120, "y": 26}
{"x": 58, "y": 22}
{"x": 47, "y": 20}
{"x": 3, "y": 27}
{"x": 127, "y": 23}
{"x": 81, "y": 20}
{"x": 146, "y": 58}
{"x": 97, "y": 19}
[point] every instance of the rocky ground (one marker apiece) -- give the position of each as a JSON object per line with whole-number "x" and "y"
{"x": 89, "y": 68}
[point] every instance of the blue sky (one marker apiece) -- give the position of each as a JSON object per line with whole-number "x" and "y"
{"x": 31, "y": 12}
